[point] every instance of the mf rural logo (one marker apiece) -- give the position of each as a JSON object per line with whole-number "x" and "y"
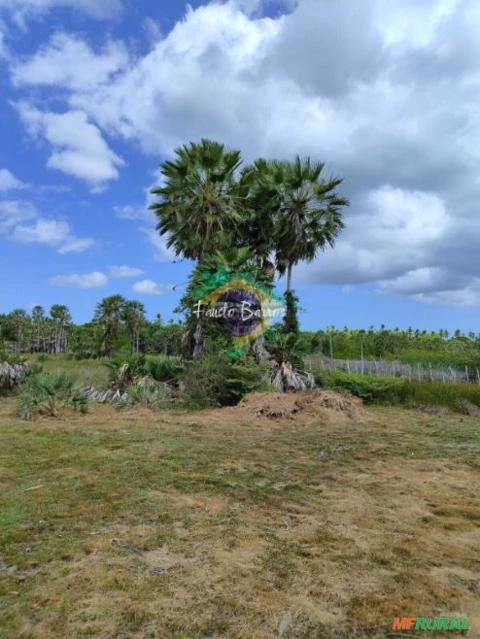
{"x": 247, "y": 307}
{"x": 451, "y": 622}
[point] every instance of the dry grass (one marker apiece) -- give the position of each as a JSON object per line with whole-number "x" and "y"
{"x": 217, "y": 524}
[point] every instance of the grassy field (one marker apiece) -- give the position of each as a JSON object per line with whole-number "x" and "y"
{"x": 220, "y": 524}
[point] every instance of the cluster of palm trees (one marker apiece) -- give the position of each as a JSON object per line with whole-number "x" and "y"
{"x": 38, "y": 333}
{"x": 114, "y": 314}
{"x": 210, "y": 204}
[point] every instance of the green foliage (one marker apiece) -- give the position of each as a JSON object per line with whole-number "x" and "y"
{"x": 12, "y": 358}
{"x": 373, "y": 390}
{"x": 46, "y": 394}
{"x": 163, "y": 369}
{"x": 291, "y": 323}
{"x": 123, "y": 369}
{"x": 148, "y": 392}
{"x": 392, "y": 390}
{"x": 216, "y": 380}
{"x": 285, "y": 347}
{"x": 126, "y": 368}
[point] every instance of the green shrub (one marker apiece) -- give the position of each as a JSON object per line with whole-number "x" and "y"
{"x": 124, "y": 369}
{"x": 373, "y": 390}
{"x": 450, "y": 395}
{"x": 45, "y": 394}
{"x": 216, "y": 380}
{"x": 164, "y": 369}
{"x": 148, "y": 392}
{"x": 393, "y": 390}
{"x": 43, "y": 357}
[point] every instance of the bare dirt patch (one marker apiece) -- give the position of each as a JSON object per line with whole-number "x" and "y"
{"x": 321, "y": 405}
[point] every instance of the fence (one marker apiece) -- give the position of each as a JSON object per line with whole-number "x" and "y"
{"x": 385, "y": 368}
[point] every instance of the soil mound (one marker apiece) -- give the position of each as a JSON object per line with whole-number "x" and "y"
{"x": 318, "y": 404}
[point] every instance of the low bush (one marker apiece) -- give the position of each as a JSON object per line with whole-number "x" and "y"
{"x": 46, "y": 394}
{"x": 164, "y": 369}
{"x": 392, "y": 390}
{"x": 125, "y": 369}
{"x": 148, "y": 392}
{"x": 373, "y": 390}
{"x": 216, "y": 380}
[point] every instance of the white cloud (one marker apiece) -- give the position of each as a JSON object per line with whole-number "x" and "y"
{"x": 13, "y": 212}
{"x": 69, "y": 62}
{"x": 8, "y": 182}
{"x": 393, "y": 232}
{"x": 78, "y": 145}
{"x": 87, "y": 280}
{"x": 147, "y": 287}
{"x": 76, "y": 245}
{"x": 125, "y": 271}
{"x": 20, "y": 222}
{"x": 53, "y": 233}
{"x": 396, "y": 115}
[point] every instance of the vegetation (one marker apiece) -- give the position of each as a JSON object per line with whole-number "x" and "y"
{"x": 215, "y": 380}
{"x": 47, "y": 394}
{"x": 385, "y": 390}
{"x": 219, "y": 524}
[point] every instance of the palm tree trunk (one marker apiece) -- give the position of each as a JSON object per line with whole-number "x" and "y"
{"x": 198, "y": 340}
{"x": 289, "y": 277}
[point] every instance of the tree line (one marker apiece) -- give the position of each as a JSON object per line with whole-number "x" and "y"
{"x": 117, "y": 325}
{"x": 122, "y": 325}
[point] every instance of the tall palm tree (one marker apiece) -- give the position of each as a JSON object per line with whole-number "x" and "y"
{"x": 309, "y": 217}
{"x": 133, "y": 315}
{"x": 199, "y": 203}
{"x": 109, "y": 315}
{"x": 199, "y": 208}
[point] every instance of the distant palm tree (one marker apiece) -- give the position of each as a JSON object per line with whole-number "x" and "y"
{"x": 199, "y": 204}
{"x": 62, "y": 320}
{"x": 109, "y": 315}
{"x": 133, "y": 315}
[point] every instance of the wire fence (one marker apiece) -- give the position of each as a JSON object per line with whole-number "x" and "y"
{"x": 386, "y": 368}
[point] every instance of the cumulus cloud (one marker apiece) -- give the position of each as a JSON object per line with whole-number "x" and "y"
{"x": 95, "y": 279}
{"x": 21, "y": 222}
{"x": 56, "y": 233}
{"x": 69, "y": 62}
{"x": 147, "y": 287}
{"x": 125, "y": 271}
{"x": 381, "y": 91}
{"x": 79, "y": 148}
{"x": 8, "y": 182}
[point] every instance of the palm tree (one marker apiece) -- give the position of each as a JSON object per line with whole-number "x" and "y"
{"x": 109, "y": 315}
{"x": 200, "y": 204}
{"x": 199, "y": 208}
{"x": 38, "y": 321}
{"x": 133, "y": 315}
{"x": 309, "y": 217}
{"x": 62, "y": 320}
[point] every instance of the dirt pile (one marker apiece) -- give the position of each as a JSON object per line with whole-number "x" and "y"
{"x": 318, "y": 404}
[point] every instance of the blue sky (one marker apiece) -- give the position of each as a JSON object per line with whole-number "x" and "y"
{"x": 94, "y": 96}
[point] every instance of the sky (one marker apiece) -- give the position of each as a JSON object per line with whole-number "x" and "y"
{"x": 94, "y": 96}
